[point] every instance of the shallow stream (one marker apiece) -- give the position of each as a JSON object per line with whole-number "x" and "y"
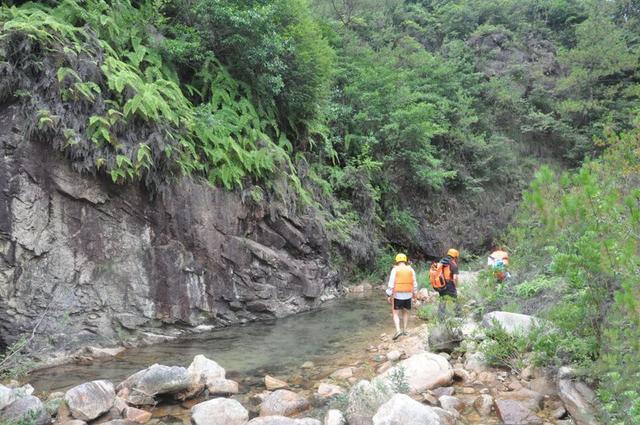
{"x": 330, "y": 337}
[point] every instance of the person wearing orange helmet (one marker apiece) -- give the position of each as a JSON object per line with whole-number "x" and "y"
{"x": 401, "y": 289}
{"x": 450, "y": 290}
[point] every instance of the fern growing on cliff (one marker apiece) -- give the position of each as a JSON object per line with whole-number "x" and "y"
{"x": 115, "y": 107}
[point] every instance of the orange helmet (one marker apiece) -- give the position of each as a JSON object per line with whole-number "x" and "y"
{"x": 453, "y": 253}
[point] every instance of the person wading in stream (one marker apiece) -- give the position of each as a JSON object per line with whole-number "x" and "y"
{"x": 448, "y": 270}
{"x": 401, "y": 289}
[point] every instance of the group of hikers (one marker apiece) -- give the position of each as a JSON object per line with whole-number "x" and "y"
{"x": 443, "y": 276}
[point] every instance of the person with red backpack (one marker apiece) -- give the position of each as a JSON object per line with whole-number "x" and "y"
{"x": 443, "y": 276}
{"x": 401, "y": 290}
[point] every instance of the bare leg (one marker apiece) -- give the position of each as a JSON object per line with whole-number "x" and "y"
{"x": 396, "y": 320}
{"x": 405, "y": 318}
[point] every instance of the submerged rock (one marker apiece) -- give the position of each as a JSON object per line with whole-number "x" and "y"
{"x": 450, "y": 403}
{"x": 343, "y": 374}
{"x": 283, "y": 403}
{"x": 326, "y": 390}
{"x": 483, "y": 404}
{"x": 219, "y": 411}
{"x": 272, "y": 383}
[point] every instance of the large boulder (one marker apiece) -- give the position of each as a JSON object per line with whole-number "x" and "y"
{"x": 90, "y": 400}
{"x": 365, "y": 398}
{"x": 283, "y": 403}
{"x": 206, "y": 369}
{"x": 512, "y": 323}
{"x": 443, "y": 338}
{"x": 421, "y": 372}
{"x": 579, "y": 400}
{"x": 514, "y": 412}
{"x": 403, "y": 410}
{"x": 28, "y": 409}
{"x": 142, "y": 387}
{"x": 219, "y": 411}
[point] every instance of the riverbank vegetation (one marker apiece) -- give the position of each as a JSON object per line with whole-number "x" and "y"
{"x": 372, "y": 108}
{"x": 576, "y": 256}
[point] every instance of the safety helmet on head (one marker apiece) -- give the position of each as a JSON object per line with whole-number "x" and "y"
{"x": 453, "y": 253}
{"x": 401, "y": 258}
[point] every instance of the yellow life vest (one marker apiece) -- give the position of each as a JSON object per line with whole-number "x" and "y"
{"x": 404, "y": 279}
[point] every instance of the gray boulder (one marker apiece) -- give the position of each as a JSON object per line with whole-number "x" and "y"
{"x": 443, "y": 338}
{"x": 402, "y": 409}
{"x": 579, "y": 400}
{"x": 7, "y": 396}
{"x": 141, "y": 387}
{"x": 219, "y": 411}
{"x": 423, "y": 371}
{"x": 28, "y": 409}
{"x": 365, "y": 398}
{"x": 90, "y": 400}
{"x": 206, "y": 369}
{"x": 283, "y": 403}
{"x": 512, "y": 323}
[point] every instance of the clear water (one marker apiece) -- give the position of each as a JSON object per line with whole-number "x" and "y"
{"x": 329, "y": 337}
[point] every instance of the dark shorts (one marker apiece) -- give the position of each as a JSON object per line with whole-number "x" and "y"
{"x": 399, "y": 304}
{"x": 449, "y": 291}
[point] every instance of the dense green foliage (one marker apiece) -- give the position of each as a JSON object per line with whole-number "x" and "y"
{"x": 576, "y": 245}
{"x": 397, "y": 112}
{"x": 127, "y": 99}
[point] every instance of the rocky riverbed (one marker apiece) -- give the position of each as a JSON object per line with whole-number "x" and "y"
{"x": 418, "y": 379}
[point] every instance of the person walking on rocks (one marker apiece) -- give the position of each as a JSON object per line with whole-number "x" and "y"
{"x": 401, "y": 290}
{"x": 448, "y": 274}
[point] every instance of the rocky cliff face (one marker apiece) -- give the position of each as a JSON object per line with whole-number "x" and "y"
{"x": 88, "y": 262}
